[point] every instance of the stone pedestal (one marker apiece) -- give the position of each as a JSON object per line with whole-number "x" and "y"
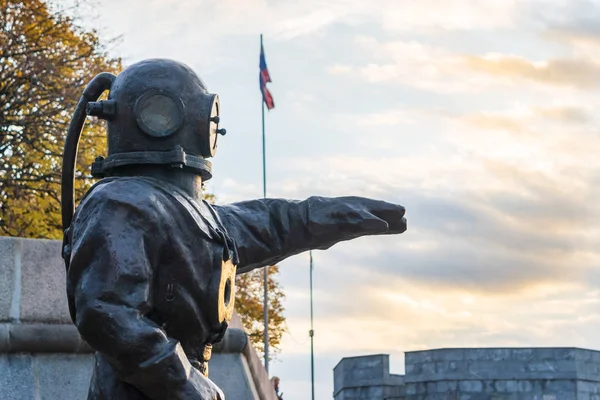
{"x": 42, "y": 356}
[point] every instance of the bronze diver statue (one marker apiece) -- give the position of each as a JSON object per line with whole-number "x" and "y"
{"x": 150, "y": 265}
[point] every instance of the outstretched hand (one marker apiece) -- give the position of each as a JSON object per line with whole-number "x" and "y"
{"x": 379, "y": 217}
{"x": 348, "y": 217}
{"x": 268, "y": 231}
{"x": 392, "y": 214}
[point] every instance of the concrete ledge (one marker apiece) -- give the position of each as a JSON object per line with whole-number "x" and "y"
{"x": 501, "y": 364}
{"x": 259, "y": 375}
{"x": 231, "y": 371}
{"x": 262, "y": 383}
{"x": 234, "y": 341}
{"x": 502, "y": 354}
{"x": 41, "y": 338}
{"x": 46, "y": 338}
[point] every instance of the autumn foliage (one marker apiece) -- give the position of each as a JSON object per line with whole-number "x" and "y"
{"x": 250, "y": 305}
{"x": 46, "y": 60}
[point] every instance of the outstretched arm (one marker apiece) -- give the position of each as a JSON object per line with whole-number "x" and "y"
{"x": 268, "y": 231}
{"x": 110, "y": 278}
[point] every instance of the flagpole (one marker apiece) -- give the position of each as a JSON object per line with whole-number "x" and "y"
{"x": 266, "y": 268}
{"x": 312, "y": 332}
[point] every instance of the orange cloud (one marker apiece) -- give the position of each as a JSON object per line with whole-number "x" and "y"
{"x": 581, "y": 73}
{"x": 491, "y": 121}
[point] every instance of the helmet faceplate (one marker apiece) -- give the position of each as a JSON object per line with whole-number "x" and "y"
{"x": 159, "y": 112}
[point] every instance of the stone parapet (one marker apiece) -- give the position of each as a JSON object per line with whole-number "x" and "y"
{"x": 475, "y": 374}
{"x": 502, "y": 373}
{"x": 366, "y": 377}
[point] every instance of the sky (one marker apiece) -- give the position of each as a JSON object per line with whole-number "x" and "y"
{"x": 478, "y": 117}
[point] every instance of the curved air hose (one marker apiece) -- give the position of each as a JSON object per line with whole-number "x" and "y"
{"x": 92, "y": 92}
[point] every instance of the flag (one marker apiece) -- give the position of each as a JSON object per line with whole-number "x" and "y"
{"x": 264, "y": 78}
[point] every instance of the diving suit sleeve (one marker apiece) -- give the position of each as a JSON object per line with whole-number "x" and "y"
{"x": 267, "y": 231}
{"x": 116, "y": 243}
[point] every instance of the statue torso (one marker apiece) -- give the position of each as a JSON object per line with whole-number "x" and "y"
{"x": 193, "y": 268}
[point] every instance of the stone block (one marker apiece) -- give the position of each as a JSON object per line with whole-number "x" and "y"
{"x": 588, "y": 370}
{"x": 412, "y": 357}
{"x": 524, "y": 386}
{"x": 43, "y": 295}
{"x": 431, "y": 387}
{"x": 524, "y": 354}
{"x": 446, "y": 386}
{"x": 553, "y": 366}
{"x": 512, "y": 386}
{"x": 62, "y": 376}
{"x": 584, "y": 355}
{"x": 584, "y": 386}
{"x": 470, "y": 386}
{"x": 488, "y": 354}
{"x": 230, "y": 372}
{"x": 590, "y": 387}
{"x": 448, "y": 354}
{"x": 569, "y": 386}
{"x": 500, "y": 386}
{"x": 441, "y": 366}
{"x": 362, "y": 393}
{"x": 555, "y": 353}
{"x": 410, "y": 389}
{"x": 393, "y": 392}
{"x": 361, "y": 371}
{"x": 7, "y": 278}
{"x": 16, "y": 377}
{"x": 594, "y": 355}
{"x": 428, "y": 368}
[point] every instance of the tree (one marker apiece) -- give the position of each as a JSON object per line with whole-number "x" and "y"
{"x": 249, "y": 298}
{"x": 46, "y": 60}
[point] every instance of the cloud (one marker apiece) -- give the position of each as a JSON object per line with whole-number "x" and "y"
{"x": 397, "y": 315}
{"x": 440, "y": 70}
{"x": 573, "y": 23}
{"x": 584, "y": 33}
{"x": 445, "y": 318}
{"x": 407, "y": 15}
{"x": 491, "y": 121}
{"x": 580, "y": 73}
{"x": 567, "y": 114}
{"x": 411, "y": 63}
{"x": 288, "y": 20}
{"x": 489, "y": 225}
{"x": 534, "y": 121}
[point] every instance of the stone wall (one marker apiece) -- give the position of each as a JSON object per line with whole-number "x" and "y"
{"x": 503, "y": 373}
{"x": 42, "y": 356}
{"x": 474, "y": 374}
{"x": 367, "y": 378}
